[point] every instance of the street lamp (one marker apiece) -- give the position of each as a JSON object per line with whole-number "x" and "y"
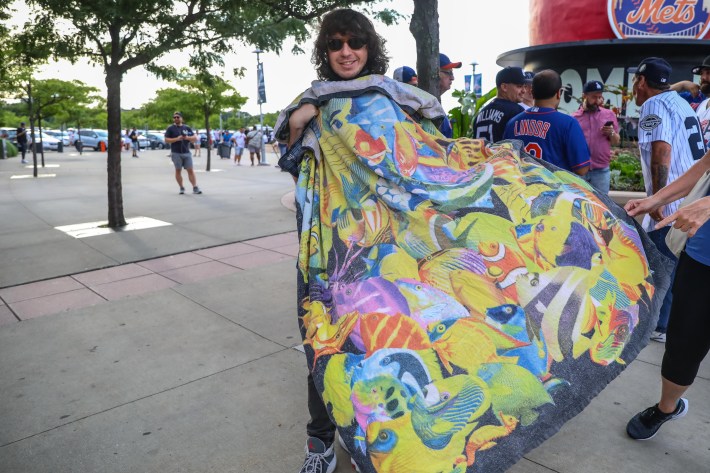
{"x": 473, "y": 78}
{"x": 261, "y": 98}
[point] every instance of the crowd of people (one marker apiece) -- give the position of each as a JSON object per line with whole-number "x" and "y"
{"x": 672, "y": 143}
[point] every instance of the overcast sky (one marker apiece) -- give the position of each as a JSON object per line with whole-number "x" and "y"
{"x": 469, "y": 31}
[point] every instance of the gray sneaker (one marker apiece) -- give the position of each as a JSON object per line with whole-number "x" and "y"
{"x": 319, "y": 459}
{"x": 645, "y": 424}
{"x": 659, "y": 337}
{"x": 196, "y": 190}
{"x": 182, "y": 190}
{"x": 347, "y": 450}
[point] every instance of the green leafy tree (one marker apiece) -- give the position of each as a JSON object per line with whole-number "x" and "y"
{"x": 23, "y": 52}
{"x": 214, "y": 95}
{"x": 52, "y": 97}
{"x": 120, "y": 35}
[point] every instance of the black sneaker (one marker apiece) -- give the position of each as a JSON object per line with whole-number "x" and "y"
{"x": 182, "y": 190}
{"x": 196, "y": 190}
{"x": 645, "y": 424}
{"x": 319, "y": 459}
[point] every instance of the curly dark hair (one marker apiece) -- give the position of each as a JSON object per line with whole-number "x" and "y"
{"x": 349, "y": 22}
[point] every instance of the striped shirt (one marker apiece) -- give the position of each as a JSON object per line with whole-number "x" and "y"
{"x": 667, "y": 117}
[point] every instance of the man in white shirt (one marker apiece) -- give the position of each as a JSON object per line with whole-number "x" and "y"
{"x": 238, "y": 138}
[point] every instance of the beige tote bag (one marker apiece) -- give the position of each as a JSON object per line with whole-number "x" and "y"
{"x": 676, "y": 239}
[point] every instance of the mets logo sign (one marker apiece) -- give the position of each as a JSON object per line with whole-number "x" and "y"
{"x": 679, "y": 19}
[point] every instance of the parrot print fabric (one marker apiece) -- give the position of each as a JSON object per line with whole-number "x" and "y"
{"x": 458, "y": 301}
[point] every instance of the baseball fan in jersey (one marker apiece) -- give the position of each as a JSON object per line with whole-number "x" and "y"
{"x": 492, "y": 119}
{"x": 669, "y": 135}
{"x": 546, "y": 133}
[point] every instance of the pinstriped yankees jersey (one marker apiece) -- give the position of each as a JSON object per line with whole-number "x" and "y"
{"x": 668, "y": 117}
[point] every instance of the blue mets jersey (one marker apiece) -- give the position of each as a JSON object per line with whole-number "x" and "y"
{"x": 551, "y": 136}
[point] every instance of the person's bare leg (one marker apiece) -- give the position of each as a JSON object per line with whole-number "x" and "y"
{"x": 258, "y": 157}
{"x": 670, "y": 394}
{"x": 191, "y": 177}
{"x": 251, "y": 157}
{"x": 178, "y": 177}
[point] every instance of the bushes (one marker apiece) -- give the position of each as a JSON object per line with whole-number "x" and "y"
{"x": 10, "y": 149}
{"x": 626, "y": 172}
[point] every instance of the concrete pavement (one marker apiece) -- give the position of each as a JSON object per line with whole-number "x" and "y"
{"x": 190, "y": 362}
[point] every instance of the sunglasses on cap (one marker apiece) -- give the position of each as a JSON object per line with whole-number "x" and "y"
{"x": 334, "y": 44}
{"x": 176, "y": 116}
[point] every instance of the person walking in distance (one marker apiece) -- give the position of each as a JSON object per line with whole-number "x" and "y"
{"x": 180, "y": 136}
{"x": 134, "y": 142}
{"x": 238, "y": 138}
{"x": 253, "y": 140}
{"x": 22, "y": 141}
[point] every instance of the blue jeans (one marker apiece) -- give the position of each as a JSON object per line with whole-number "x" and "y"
{"x": 599, "y": 179}
{"x": 658, "y": 237}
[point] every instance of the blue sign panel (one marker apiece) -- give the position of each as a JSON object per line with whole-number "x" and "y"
{"x": 679, "y": 19}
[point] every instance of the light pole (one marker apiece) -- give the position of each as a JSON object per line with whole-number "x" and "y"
{"x": 473, "y": 78}
{"x": 261, "y": 98}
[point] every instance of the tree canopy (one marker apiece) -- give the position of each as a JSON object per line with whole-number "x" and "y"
{"x": 120, "y": 35}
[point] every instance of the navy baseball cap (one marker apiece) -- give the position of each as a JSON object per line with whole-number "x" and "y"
{"x": 593, "y": 86}
{"x": 510, "y": 75}
{"x": 404, "y": 74}
{"x": 528, "y": 76}
{"x": 446, "y": 64}
{"x": 704, "y": 65}
{"x": 655, "y": 69}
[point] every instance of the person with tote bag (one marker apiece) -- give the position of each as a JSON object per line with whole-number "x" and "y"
{"x": 688, "y": 336}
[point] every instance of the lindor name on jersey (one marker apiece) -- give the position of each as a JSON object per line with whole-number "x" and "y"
{"x": 528, "y": 127}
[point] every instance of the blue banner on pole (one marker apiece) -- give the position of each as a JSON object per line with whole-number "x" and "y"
{"x": 260, "y": 83}
{"x": 477, "y": 83}
{"x": 467, "y": 83}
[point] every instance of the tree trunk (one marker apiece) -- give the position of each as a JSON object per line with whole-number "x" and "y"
{"x": 424, "y": 26}
{"x": 32, "y": 128}
{"x": 41, "y": 149}
{"x": 207, "y": 130}
{"x": 113, "y": 161}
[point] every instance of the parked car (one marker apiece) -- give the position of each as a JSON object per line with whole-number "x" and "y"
{"x": 48, "y": 142}
{"x": 93, "y": 139}
{"x": 64, "y": 136}
{"x": 143, "y": 142}
{"x": 9, "y": 134}
{"x": 157, "y": 140}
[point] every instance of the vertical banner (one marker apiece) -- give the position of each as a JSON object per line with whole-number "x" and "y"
{"x": 467, "y": 83}
{"x": 261, "y": 87}
{"x": 477, "y": 84}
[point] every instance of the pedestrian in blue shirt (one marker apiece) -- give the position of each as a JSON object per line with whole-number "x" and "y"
{"x": 548, "y": 134}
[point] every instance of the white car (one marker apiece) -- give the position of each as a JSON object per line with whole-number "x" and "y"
{"x": 64, "y": 136}
{"x": 48, "y": 142}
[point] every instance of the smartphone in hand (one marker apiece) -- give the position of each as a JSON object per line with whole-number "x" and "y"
{"x": 609, "y": 123}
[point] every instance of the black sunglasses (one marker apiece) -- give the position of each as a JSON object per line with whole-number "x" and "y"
{"x": 337, "y": 44}
{"x": 176, "y": 116}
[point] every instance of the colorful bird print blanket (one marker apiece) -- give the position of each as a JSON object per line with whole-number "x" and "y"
{"x": 458, "y": 301}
